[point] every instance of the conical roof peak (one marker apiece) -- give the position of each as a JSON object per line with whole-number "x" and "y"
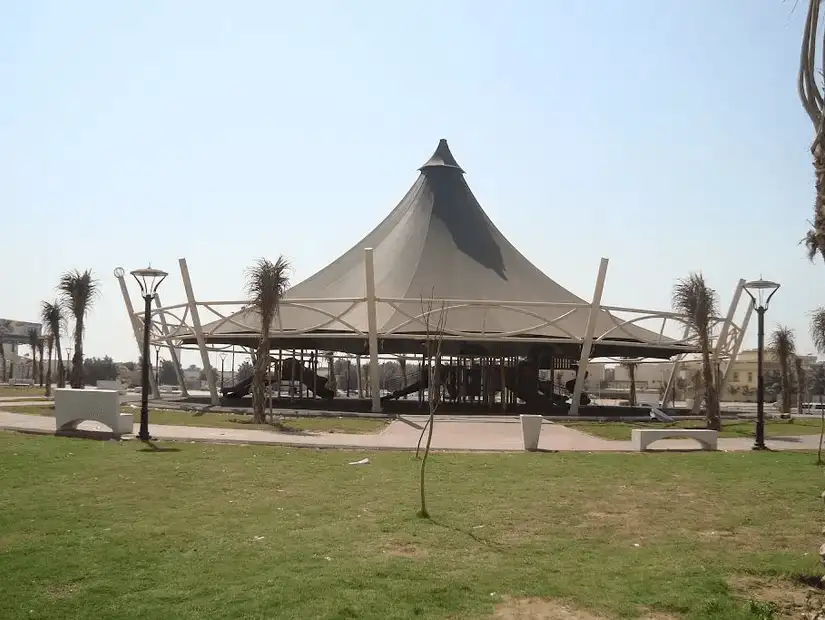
{"x": 442, "y": 158}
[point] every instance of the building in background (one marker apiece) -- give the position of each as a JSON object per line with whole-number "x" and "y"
{"x": 15, "y": 337}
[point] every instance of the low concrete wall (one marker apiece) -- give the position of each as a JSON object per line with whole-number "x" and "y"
{"x": 113, "y": 384}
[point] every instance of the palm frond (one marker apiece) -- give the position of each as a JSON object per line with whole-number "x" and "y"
{"x": 818, "y": 328}
{"x": 51, "y": 315}
{"x": 33, "y": 336}
{"x": 266, "y": 283}
{"x": 782, "y": 343}
{"x": 814, "y": 239}
{"x": 812, "y": 245}
{"x": 694, "y": 299}
{"x": 78, "y": 291}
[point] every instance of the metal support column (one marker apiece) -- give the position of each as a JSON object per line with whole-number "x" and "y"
{"x": 736, "y": 348}
{"x": 372, "y": 321}
{"x": 723, "y": 333}
{"x": 173, "y": 352}
{"x": 196, "y": 327}
{"x": 587, "y": 343}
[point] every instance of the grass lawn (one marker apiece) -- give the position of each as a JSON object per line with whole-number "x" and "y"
{"x": 730, "y": 428}
{"x": 224, "y": 420}
{"x": 7, "y": 391}
{"x": 113, "y": 530}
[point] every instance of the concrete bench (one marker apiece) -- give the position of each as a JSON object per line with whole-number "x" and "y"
{"x": 71, "y": 407}
{"x": 643, "y": 437}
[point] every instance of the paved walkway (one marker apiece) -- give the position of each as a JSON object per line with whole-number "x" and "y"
{"x": 465, "y": 434}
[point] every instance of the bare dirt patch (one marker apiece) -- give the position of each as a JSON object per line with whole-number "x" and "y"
{"x": 404, "y": 550}
{"x": 549, "y": 609}
{"x": 789, "y": 599}
{"x": 62, "y": 591}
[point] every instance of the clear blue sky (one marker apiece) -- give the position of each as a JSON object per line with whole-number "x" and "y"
{"x": 666, "y": 136}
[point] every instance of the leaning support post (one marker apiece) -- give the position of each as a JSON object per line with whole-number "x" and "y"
{"x": 723, "y": 333}
{"x": 137, "y": 329}
{"x": 372, "y": 322}
{"x": 196, "y": 327}
{"x": 173, "y": 352}
{"x": 736, "y": 347}
{"x": 587, "y": 343}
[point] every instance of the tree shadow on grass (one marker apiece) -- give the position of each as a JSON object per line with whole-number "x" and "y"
{"x": 153, "y": 448}
{"x": 483, "y": 541}
{"x": 277, "y": 426}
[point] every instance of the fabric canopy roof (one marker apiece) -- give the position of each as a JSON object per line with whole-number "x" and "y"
{"x": 439, "y": 244}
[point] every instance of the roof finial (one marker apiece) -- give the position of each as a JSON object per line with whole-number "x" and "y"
{"x": 442, "y": 158}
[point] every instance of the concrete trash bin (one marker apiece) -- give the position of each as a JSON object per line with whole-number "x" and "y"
{"x": 531, "y": 430}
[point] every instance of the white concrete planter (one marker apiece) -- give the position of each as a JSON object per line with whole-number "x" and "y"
{"x": 531, "y": 431}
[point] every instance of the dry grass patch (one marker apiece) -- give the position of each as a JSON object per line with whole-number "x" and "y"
{"x": 787, "y": 600}
{"x": 548, "y": 609}
{"x": 60, "y": 592}
{"x": 404, "y": 550}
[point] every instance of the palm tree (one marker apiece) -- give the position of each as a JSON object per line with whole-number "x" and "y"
{"x": 50, "y": 348}
{"x": 79, "y": 291}
{"x": 630, "y": 366}
{"x": 811, "y": 94}
{"x": 783, "y": 348}
{"x": 40, "y": 343}
{"x": 800, "y": 385}
{"x": 34, "y": 336}
{"x": 698, "y": 303}
{"x": 266, "y": 283}
{"x": 51, "y": 314}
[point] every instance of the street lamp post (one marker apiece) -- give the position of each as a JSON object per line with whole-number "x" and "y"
{"x": 760, "y": 291}
{"x": 149, "y": 280}
{"x": 69, "y": 366}
{"x": 222, "y": 355}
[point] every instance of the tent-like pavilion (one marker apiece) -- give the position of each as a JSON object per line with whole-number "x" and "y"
{"x": 438, "y": 253}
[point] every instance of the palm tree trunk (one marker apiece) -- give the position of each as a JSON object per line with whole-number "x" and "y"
{"x": 3, "y": 376}
{"x": 712, "y": 418}
{"x": 40, "y": 368}
{"x": 49, "y": 373}
{"x": 631, "y": 370}
{"x": 61, "y": 373}
{"x": 259, "y": 381}
{"x": 77, "y": 357}
{"x": 786, "y": 386}
{"x": 34, "y": 364}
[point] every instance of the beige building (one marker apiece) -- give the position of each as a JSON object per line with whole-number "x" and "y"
{"x": 653, "y": 375}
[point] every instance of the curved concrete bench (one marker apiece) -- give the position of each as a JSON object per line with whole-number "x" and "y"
{"x": 643, "y": 437}
{"x": 71, "y": 407}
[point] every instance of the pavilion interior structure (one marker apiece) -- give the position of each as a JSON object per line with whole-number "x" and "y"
{"x": 438, "y": 292}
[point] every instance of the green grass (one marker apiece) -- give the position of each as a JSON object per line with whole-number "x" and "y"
{"x": 179, "y": 417}
{"x": 730, "y": 428}
{"x": 110, "y": 530}
{"x": 20, "y": 391}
